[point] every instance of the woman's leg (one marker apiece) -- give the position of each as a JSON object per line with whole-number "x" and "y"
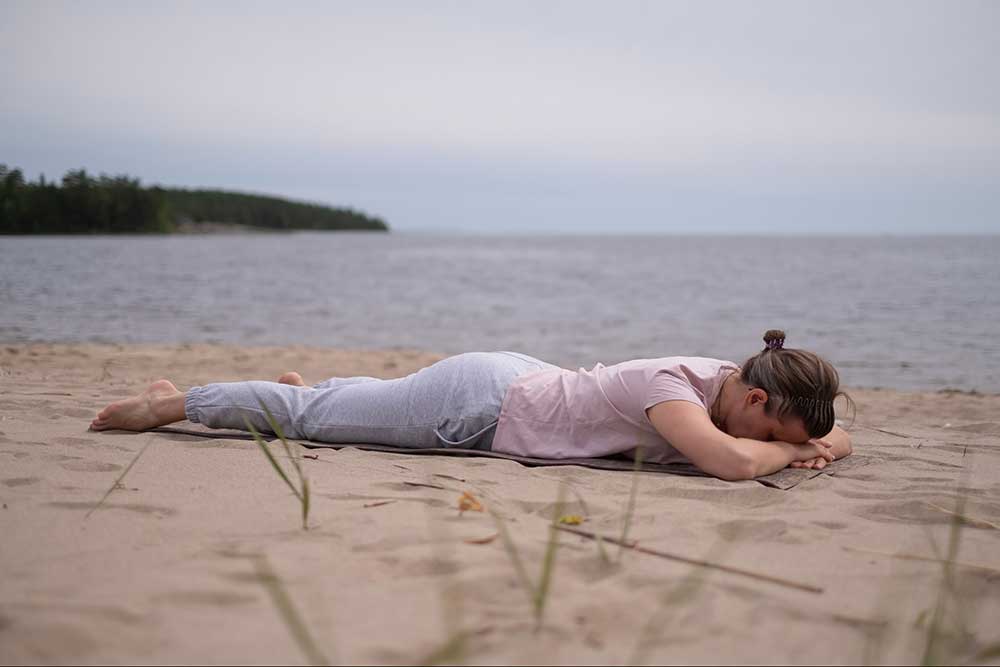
{"x": 162, "y": 403}
{"x": 451, "y": 403}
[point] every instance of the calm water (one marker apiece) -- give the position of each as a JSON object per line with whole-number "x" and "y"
{"x": 908, "y": 313}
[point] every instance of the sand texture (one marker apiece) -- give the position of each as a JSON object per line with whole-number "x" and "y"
{"x": 198, "y": 554}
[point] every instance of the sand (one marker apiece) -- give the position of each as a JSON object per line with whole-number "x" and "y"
{"x": 197, "y": 552}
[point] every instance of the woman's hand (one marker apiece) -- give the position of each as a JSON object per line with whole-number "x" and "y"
{"x": 816, "y": 454}
{"x": 818, "y": 463}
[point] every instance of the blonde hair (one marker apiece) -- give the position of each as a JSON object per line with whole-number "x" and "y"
{"x": 797, "y": 382}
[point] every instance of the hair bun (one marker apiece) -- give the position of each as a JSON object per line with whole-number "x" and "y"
{"x": 774, "y": 339}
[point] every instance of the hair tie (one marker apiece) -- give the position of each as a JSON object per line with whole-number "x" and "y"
{"x": 807, "y": 400}
{"x": 775, "y": 344}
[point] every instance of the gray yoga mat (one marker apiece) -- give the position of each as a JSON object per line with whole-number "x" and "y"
{"x": 783, "y": 479}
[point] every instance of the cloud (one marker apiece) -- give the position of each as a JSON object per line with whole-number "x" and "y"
{"x": 752, "y": 99}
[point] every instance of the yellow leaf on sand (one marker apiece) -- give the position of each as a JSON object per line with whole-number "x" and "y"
{"x": 468, "y": 503}
{"x": 570, "y": 519}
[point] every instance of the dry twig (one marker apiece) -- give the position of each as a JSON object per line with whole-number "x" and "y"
{"x": 631, "y": 544}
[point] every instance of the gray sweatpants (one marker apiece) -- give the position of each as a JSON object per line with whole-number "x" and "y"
{"x": 452, "y": 403}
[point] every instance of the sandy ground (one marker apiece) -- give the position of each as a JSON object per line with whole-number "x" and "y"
{"x": 198, "y": 554}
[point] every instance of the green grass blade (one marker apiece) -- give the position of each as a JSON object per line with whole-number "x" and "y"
{"x": 118, "y": 481}
{"x": 270, "y": 457}
{"x": 515, "y": 556}
{"x": 305, "y": 503}
{"x": 989, "y": 653}
{"x": 630, "y": 508}
{"x": 549, "y": 562}
{"x": 947, "y": 589}
{"x": 302, "y": 493}
{"x": 598, "y": 540}
{"x": 283, "y": 603}
{"x": 278, "y": 431}
{"x": 602, "y": 550}
{"x": 671, "y": 606}
{"x": 453, "y": 649}
{"x": 451, "y": 652}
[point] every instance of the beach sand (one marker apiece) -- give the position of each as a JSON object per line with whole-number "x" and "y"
{"x": 198, "y": 554}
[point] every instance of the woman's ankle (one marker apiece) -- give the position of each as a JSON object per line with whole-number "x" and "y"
{"x": 169, "y": 409}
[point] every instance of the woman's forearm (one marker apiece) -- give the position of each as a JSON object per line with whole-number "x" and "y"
{"x": 767, "y": 457}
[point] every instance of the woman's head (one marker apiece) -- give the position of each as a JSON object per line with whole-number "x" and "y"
{"x": 793, "y": 390}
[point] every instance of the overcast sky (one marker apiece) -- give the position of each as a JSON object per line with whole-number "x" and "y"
{"x": 617, "y": 117}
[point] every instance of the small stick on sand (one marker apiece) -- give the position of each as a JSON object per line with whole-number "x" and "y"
{"x": 443, "y": 476}
{"x": 429, "y": 486}
{"x": 631, "y": 544}
{"x": 926, "y": 559}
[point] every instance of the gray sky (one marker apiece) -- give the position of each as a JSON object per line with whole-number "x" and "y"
{"x": 618, "y": 117}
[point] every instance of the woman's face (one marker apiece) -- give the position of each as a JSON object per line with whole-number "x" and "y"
{"x": 750, "y": 420}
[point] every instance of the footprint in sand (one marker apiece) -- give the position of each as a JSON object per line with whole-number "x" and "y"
{"x": 432, "y": 567}
{"x": 69, "y": 440}
{"x": 547, "y": 510}
{"x": 91, "y": 466}
{"x": 21, "y": 481}
{"x": 428, "y": 567}
{"x": 987, "y": 428}
{"x": 908, "y": 511}
{"x": 207, "y": 598}
{"x": 390, "y": 543}
{"x": 747, "y": 530}
{"x": 140, "y": 508}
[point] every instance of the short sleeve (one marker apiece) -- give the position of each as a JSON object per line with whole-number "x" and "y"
{"x": 667, "y": 386}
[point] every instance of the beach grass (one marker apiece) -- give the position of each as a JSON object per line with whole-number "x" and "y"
{"x": 933, "y": 652}
{"x": 117, "y": 482}
{"x": 302, "y": 490}
{"x": 549, "y": 561}
{"x": 602, "y": 551}
{"x": 630, "y": 506}
{"x": 947, "y": 620}
{"x": 672, "y": 601}
{"x": 537, "y": 593}
{"x": 454, "y": 648}
{"x": 296, "y": 625}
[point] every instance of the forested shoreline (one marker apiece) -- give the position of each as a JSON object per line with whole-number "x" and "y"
{"x": 85, "y": 204}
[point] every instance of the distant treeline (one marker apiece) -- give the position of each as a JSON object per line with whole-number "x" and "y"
{"x": 85, "y": 204}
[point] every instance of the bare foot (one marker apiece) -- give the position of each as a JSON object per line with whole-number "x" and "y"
{"x": 292, "y": 378}
{"x": 156, "y": 406}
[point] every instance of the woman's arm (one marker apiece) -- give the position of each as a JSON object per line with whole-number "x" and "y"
{"x": 688, "y": 429}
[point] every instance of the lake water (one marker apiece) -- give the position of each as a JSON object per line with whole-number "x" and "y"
{"x": 904, "y": 312}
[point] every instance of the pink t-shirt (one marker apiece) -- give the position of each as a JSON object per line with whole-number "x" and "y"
{"x": 558, "y": 413}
